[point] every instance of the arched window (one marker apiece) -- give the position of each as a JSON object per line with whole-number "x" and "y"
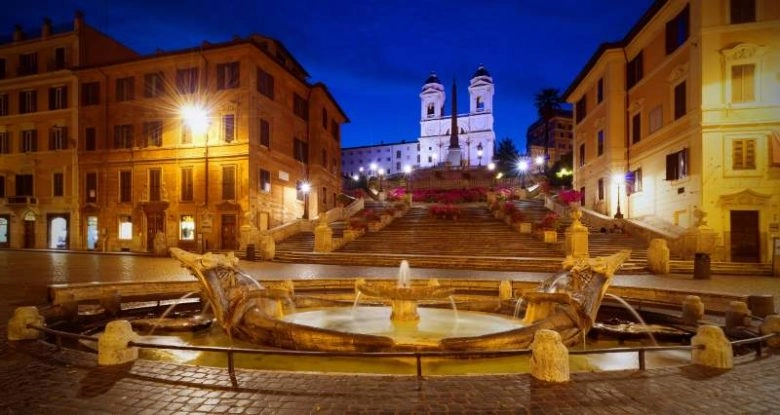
{"x": 480, "y": 104}
{"x": 430, "y": 109}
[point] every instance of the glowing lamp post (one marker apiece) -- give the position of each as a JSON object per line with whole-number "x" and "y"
{"x": 522, "y": 165}
{"x": 619, "y": 179}
{"x": 381, "y": 175}
{"x": 408, "y": 173}
{"x": 480, "y": 151}
{"x": 305, "y": 189}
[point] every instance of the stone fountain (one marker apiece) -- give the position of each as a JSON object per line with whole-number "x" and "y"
{"x": 566, "y": 303}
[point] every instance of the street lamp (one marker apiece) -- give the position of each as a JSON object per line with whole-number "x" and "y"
{"x": 522, "y": 165}
{"x": 479, "y": 153}
{"x": 619, "y": 179}
{"x": 305, "y": 189}
{"x": 408, "y": 173}
{"x": 381, "y": 174}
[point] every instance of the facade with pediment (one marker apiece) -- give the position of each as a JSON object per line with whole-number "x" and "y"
{"x": 684, "y": 110}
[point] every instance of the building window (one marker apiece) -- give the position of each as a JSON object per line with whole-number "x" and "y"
{"x": 125, "y": 186}
{"x": 581, "y": 108}
{"x": 229, "y": 128}
{"x": 186, "y": 184}
{"x": 600, "y": 143}
{"x": 153, "y": 85}
{"x": 153, "y": 133}
{"x": 677, "y": 31}
{"x": 600, "y": 91}
{"x": 581, "y": 158}
{"x": 91, "y": 188}
{"x": 655, "y": 119}
{"x": 2, "y": 68}
{"x": 679, "y": 100}
{"x": 677, "y": 165}
{"x": 125, "y": 231}
{"x": 265, "y": 181}
{"x": 480, "y": 104}
{"x": 186, "y": 134}
{"x": 228, "y": 183}
{"x": 58, "y": 138}
{"x": 636, "y": 128}
{"x": 2, "y": 187}
{"x": 125, "y": 89}
{"x": 430, "y": 110}
{"x": 28, "y": 102}
{"x": 743, "y": 154}
{"x": 155, "y": 185}
{"x": 3, "y": 104}
{"x": 90, "y": 93}
{"x": 59, "y": 59}
{"x": 90, "y": 139}
{"x": 335, "y": 130}
{"x": 24, "y": 184}
{"x": 228, "y": 75}
{"x": 300, "y": 107}
{"x": 187, "y": 228}
{"x": 265, "y": 83}
{"x": 28, "y": 64}
{"x": 300, "y": 195}
{"x": 265, "y": 133}
{"x": 5, "y": 142}
{"x": 58, "y": 185}
{"x": 29, "y": 142}
{"x": 300, "y": 151}
{"x": 742, "y": 11}
{"x": 58, "y": 98}
{"x": 187, "y": 80}
{"x": 601, "y": 189}
{"x": 634, "y": 179}
{"x": 123, "y": 136}
{"x": 743, "y": 83}
{"x": 634, "y": 71}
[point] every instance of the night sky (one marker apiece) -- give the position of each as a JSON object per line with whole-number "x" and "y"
{"x": 375, "y": 54}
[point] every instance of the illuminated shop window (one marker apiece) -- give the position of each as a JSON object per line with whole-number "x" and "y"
{"x": 187, "y": 228}
{"x": 125, "y": 227}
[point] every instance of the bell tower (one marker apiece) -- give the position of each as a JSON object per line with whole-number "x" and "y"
{"x": 481, "y": 92}
{"x": 432, "y": 99}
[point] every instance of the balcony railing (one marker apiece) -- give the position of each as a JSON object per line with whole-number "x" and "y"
{"x": 22, "y": 200}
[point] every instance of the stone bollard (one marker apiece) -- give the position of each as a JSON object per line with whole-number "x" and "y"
{"x": 717, "y": 350}
{"x": 17, "y": 325}
{"x": 112, "y": 344}
{"x": 549, "y": 357}
{"x": 737, "y": 315}
{"x": 505, "y": 290}
{"x": 658, "y": 257}
{"x": 771, "y": 324}
{"x": 692, "y": 310}
{"x": 761, "y": 305}
{"x": 111, "y": 303}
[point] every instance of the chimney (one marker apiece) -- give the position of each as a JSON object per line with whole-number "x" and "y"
{"x": 78, "y": 21}
{"x": 46, "y": 29}
{"x": 18, "y": 33}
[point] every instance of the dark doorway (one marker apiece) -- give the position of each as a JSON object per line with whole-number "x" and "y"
{"x": 229, "y": 240}
{"x": 155, "y": 222}
{"x": 745, "y": 245}
{"x": 5, "y": 231}
{"x": 29, "y": 233}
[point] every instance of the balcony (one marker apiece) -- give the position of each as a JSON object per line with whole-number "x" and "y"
{"x": 22, "y": 201}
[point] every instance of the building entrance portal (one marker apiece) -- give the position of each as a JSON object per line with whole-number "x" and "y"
{"x": 745, "y": 245}
{"x": 58, "y": 231}
{"x": 5, "y": 231}
{"x": 29, "y": 230}
{"x": 92, "y": 232}
{"x": 229, "y": 234}
{"x": 155, "y": 222}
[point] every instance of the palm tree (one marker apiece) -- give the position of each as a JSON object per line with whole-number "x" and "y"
{"x": 506, "y": 156}
{"x": 548, "y": 101}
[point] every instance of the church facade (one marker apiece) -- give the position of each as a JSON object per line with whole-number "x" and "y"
{"x": 475, "y": 135}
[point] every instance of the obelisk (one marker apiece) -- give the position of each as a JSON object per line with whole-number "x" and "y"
{"x": 455, "y": 154}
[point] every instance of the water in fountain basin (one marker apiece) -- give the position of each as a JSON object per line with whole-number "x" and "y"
{"x": 168, "y": 310}
{"x": 404, "y": 274}
{"x": 634, "y": 313}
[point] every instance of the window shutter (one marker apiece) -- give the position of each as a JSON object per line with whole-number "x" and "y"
{"x": 671, "y": 166}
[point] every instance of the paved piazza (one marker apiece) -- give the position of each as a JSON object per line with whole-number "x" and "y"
{"x": 37, "y": 380}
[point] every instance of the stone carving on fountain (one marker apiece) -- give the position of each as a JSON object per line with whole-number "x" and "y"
{"x": 566, "y": 303}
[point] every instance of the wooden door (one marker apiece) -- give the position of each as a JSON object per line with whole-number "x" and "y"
{"x": 228, "y": 231}
{"x": 745, "y": 245}
{"x": 155, "y": 222}
{"x": 29, "y": 234}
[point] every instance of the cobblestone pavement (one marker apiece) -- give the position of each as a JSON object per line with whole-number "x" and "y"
{"x": 35, "y": 379}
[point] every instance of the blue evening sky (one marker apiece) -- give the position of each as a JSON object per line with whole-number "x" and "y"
{"x": 375, "y": 54}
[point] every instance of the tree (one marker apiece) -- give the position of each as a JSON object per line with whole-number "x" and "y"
{"x": 506, "y": 156}
{"x": 548, "y": 101}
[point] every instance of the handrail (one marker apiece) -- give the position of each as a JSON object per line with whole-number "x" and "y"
{"x": 418, "y": 355}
